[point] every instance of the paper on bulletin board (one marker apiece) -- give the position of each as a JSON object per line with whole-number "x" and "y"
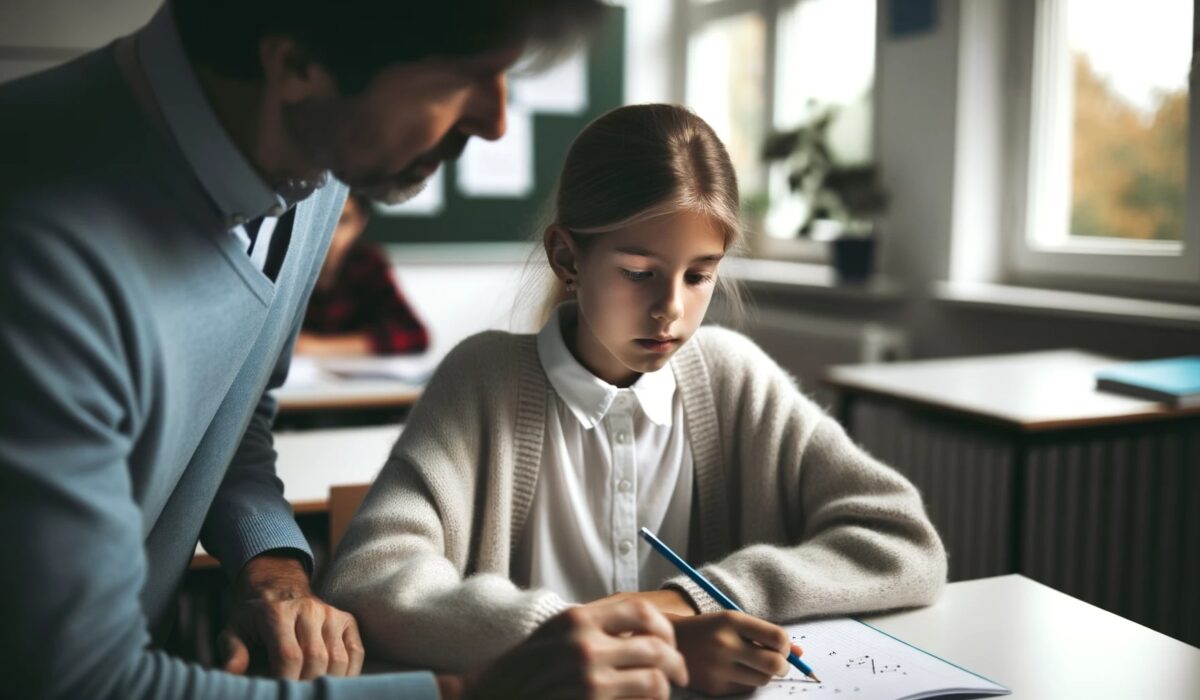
{"x": 502, "y": 168}
{"x": 560, "y": 89}
{"x": 429, "y": 202}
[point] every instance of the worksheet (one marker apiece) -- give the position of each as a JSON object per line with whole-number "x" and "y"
{"x": 856, "y": 661}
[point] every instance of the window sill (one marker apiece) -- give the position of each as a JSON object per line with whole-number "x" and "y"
{"x": 1068, "y": 304}
{"x": 809, "y": 279}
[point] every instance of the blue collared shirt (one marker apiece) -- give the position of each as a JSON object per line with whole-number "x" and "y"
{"x": 229, "y": 178}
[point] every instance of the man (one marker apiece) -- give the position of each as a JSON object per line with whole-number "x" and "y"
{"x": 163, "y": 217}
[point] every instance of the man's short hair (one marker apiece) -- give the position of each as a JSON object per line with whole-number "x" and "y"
{"x": 355, "y": 39}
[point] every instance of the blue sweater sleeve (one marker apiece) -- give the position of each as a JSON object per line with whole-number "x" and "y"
{"x": 249, "y": 514}
{"x": 72, "y": 564}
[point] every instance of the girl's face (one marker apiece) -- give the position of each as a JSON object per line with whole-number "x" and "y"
{"x": 642, "y": 292}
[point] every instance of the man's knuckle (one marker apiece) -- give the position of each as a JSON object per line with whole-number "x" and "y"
{"x": 593, "y": 681}
{"x": 583, "y": 650}
{"x": 645, "y": 610}
{"x": 660, "y": 687}
{"x": 575, "y": 617}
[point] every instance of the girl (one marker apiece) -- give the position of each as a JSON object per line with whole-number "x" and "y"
{"x": 519, "y": 484}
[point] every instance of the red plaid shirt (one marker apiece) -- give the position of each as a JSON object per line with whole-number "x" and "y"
{"x": 364, "y": 299}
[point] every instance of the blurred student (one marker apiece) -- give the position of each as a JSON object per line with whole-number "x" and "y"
{"x": 520, "y": 481}
{"x": 356, "y": 307}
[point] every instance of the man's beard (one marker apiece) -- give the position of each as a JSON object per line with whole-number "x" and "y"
{"x": 391, "y": 192}
{"x": 314, "y": 126}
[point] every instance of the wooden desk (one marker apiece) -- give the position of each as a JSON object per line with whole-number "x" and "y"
{"x": 312, "y": 462}
{"x": 1026, "y": 468}
{"x": 1043, "y": 644}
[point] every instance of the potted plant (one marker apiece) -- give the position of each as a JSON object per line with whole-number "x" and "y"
{"x": 842, "y": 202}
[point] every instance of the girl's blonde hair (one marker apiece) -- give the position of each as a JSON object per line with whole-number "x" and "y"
{"x": 640, "y": 162}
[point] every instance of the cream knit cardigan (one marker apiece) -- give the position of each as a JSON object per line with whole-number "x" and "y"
{"x": 791, "y": 518}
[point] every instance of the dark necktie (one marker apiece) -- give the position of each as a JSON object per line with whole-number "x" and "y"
{"x": 280, "y": 239}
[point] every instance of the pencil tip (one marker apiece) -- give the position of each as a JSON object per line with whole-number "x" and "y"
{"x": 814, "y": 677}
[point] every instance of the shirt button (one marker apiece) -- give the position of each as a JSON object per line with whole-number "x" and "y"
{"x": 624, "y": 485}
{"x": 625, "y": 547}
{"x": 622, "y": 437}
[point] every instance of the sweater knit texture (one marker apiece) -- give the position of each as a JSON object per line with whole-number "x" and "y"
{"x": 791, "y": 518}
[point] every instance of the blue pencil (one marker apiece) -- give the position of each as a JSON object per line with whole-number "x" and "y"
{"x": 724, "y": 600}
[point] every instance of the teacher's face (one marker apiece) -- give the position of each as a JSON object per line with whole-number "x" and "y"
{"x": 387, "y": 140}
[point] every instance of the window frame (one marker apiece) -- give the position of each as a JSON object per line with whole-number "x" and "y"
{"x": 694, "y": 16}
{"x": 1039, "y": 172}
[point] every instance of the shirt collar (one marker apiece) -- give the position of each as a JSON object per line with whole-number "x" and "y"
{"x": 587, "y": 396}
{"x": 223, "y": 170}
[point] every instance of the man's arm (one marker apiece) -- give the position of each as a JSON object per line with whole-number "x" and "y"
{"x": 277, "y": 625}
{"x": 249, "y": 514}
{"x": 73, "y": 564}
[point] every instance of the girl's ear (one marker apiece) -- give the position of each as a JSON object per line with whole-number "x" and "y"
{"x": 561, "y": 253}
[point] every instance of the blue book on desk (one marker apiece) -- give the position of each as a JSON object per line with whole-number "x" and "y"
{"x": 1174, "y": 381}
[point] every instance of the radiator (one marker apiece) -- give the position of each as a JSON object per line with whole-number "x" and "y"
{"x": 965, "y": 477}
{"x": 1115, "y": 520}
{"x": 1109, "y": 515}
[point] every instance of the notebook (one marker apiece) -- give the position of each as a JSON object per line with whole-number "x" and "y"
{"x": 856, "y": 661}
{"x": 1174, "y": 381}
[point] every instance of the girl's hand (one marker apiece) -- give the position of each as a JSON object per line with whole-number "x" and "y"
{"x": 666, "y": 600}
{"x": 731, "y": 652}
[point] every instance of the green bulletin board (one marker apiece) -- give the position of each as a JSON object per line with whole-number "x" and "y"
{"x": 488, "y": 219}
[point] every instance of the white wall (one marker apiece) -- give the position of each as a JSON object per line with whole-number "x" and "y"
{"x": 37, "y": 34}
{"x": 916, "y": 86}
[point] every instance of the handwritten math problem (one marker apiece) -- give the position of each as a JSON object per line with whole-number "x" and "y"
{"x": 857, "y": 661}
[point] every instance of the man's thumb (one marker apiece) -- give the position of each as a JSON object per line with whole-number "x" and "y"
{"x": 235, "y": 653}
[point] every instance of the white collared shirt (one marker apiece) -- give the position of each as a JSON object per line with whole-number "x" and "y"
{"x": 613, "y": 460}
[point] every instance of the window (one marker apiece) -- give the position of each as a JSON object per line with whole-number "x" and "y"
{"x": 754, "y": 66}
{"x": 1109, "y": 186}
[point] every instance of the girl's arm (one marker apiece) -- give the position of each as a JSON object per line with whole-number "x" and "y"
{"x": 402, "y": 568}
{"x": 830, "y": 529}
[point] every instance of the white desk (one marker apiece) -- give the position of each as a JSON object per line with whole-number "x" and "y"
{"x": 353, "y": 383}
{"x": 1045, "y": 644}
{"x": 312, "y": 461}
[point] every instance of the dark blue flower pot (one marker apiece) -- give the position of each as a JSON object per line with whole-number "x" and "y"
{"x": 854, "y": 258}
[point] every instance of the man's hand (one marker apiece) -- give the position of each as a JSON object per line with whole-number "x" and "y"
{"x": 278, "y": 627}
{"x": 624, "y": 649}
{"x": 731, "y": 652}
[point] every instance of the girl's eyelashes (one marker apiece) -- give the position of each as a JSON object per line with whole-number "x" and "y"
{"x": 693, "y": 278}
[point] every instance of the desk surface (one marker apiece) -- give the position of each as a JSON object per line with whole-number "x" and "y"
{"x": 1044, "y": 644}
{"x": 353, "y": 383}
{"x": 310, "y": 462}
{"x": 1032, "y": 391}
